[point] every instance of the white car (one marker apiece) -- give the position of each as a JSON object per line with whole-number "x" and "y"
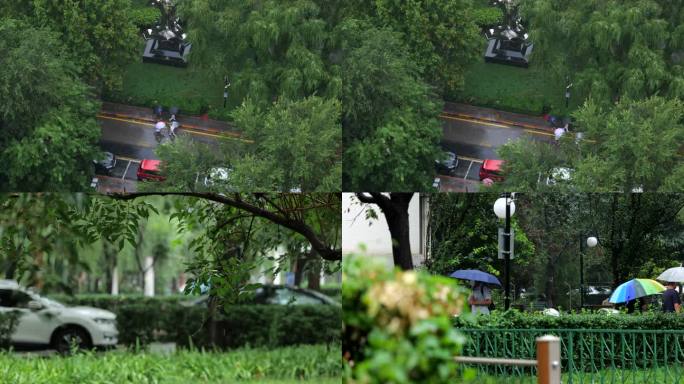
{"x": 45, "y": 322}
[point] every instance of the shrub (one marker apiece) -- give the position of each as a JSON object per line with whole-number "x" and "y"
{"x": 520, "y": 320}
{"x": 8, "y": 321}
{"x": 396, "y": 324}
{"x": 144, "y": 18}
{"x": 275, "y": 325}
{"x": 148, "y": 319}
{"x": 485, "y": 17}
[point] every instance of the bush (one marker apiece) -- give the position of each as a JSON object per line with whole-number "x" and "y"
{"x": 8, "y": 322}
{"x": 276, "y": 325}
{"x": 163, "y": 319}
{"x": 397, "y": 324}
{"x": 310, "y": 363}
{"x": 485, "y": 17}
{"x": 144, "y": 18}
{"x": 589, "y": 340}
{"x": 520, "y": 320}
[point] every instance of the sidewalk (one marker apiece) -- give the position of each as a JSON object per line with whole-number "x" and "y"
{"x": 187, "y": 121}
{"x": 495, "y": 116}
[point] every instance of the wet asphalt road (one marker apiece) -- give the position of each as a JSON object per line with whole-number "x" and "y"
{"x": 479, "y": 140}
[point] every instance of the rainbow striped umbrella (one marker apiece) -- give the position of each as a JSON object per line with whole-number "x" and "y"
{"x": 635, "y": 289}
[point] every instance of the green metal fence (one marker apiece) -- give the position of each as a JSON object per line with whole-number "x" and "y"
{"x": 587, "y": 355}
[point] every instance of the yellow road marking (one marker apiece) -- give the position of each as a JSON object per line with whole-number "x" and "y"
{"x": 476, "y": 121}
{"x": 189, "y": 130}
{"x": 532, "y": 132}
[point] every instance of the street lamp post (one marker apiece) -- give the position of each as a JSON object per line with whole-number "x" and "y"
{"x": 591, "y": 242}
{"x": 504, "y": 208}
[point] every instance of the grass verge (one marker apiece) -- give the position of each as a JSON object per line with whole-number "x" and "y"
{"x": 308, "y": 364}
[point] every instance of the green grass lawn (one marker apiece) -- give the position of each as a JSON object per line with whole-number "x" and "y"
{"x": 524, "y": 90}
{"x": 671, "y": 374}
{"x": 304, "y": 364}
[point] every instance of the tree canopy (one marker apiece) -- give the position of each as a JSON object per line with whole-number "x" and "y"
{"x": 49, "y": 132}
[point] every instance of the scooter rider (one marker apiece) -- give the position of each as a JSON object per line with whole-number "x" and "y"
{"x": 158, "y": 128}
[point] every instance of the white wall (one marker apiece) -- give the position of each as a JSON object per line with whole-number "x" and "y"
{"x": 374, "y": 234}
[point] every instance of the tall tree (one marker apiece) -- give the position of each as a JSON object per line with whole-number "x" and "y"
{"x": 442, "y": 36}
{"x": 99, "y": 34}
{"x": 389, "y": 117}
{"x": 611, "y": 49}
{"x": 631, "y": 146}
{"x": 275, "y": 47}
{"x": 49, "y": 133}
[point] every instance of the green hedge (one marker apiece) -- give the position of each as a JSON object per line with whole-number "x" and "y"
{"x": 147, "y": 319}
{"x": 514, "y": 319}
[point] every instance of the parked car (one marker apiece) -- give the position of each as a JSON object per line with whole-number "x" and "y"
{"x": 150, "y": 170}
{"x": 491, "y": 169}
{"x": 448, "y": 164}
{"x": 271, "y": 294}
{"x": 46, "y": 323}
{"x": 105, "y": 165}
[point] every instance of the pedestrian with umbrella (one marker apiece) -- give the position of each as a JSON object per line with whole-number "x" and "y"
{"x": 635, "y": 289}
{"x": 481, "y": 297}
{"x": 671, "y": 300}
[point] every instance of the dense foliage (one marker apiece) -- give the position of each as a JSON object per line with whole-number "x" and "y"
{"x": 48, "y": 132}
{"x": 464, "y": 235}
{"x": 616, "y": 154}
{"x": 520, "y": 320}
{"x": 397, "y": 325}
{"x": 549, "y": 230}
{"x": 142, "y": 320}
{"x": 315, "y": 364}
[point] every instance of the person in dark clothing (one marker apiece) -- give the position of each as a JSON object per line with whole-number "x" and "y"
{"x": 630, "y": 306}
{"x": 671, "y": 301}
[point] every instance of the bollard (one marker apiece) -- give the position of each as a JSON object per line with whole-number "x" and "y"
{"x": 548, "y": 360}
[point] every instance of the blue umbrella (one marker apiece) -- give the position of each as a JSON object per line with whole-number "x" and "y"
{"x": 635, "y": 289}
{"x": 475, "y": 275}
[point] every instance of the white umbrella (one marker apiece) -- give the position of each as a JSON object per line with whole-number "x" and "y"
{"x": 674, "y": 275}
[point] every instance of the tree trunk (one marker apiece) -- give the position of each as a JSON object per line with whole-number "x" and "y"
{"x": 148, "y": 277}
{"x": 398, "y": 224}
{"x": 298, "y": 266}
{"x": 314, "y": 277}
{"x": 114, "y": 287}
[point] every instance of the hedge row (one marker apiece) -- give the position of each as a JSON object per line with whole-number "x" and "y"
{"x": 143, "y": 320}
{"x": 589, "y": 341}
{"x": 514, "y": 319}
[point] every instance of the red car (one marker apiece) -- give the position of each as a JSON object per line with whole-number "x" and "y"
{"x": 150, "y": 170}
{"x": 491, "y": 169}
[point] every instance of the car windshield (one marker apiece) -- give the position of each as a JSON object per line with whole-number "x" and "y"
{"x": 50, "y": 302}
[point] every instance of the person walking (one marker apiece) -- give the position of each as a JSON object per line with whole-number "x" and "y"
{"x": 671, "y": 300}
{"x": 480, "y": 299}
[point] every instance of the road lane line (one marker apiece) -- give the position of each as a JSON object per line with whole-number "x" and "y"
{"x": 471, "y": 159}
{"x": 468, "y": 171}
{"x": 126, "y": 171}
{"x": 130, "y": 159}
{"x": 475, "y": 121}
{"x": 194, "y": 131}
